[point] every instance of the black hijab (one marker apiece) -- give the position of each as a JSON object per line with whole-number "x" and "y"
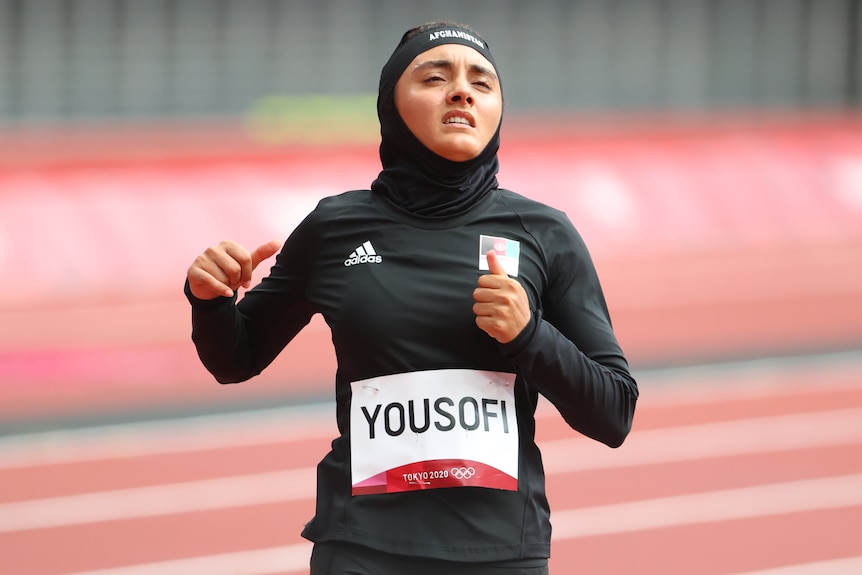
{"x": 413, "y": 177}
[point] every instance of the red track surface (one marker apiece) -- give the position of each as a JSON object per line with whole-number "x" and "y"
{"x": 58, "y": 361}
{"x": 712, "y": 242}
{"x": 725, "y": 254}
{"x": 726, "y": 471}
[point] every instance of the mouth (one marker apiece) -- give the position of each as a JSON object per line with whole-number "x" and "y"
{"x": 461, "y": 118}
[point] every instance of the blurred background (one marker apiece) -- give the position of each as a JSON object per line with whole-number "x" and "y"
{"x": 709, "y": 151}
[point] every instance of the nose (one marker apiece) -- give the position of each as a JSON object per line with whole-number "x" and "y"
{"x": 461, "y": 92}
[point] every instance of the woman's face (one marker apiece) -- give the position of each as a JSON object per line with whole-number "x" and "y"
{"x": 450, "y": 98}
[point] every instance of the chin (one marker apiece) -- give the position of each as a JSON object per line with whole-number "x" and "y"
{"x": 459, "y": 154}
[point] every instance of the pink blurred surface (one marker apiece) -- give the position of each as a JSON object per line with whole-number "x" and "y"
{"x": 712, "y": 241}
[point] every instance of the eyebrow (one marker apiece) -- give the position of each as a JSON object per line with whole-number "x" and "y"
{"x": 475, "y": 68}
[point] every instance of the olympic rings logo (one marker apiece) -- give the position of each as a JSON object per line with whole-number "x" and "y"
{"x": 462, "y": 472}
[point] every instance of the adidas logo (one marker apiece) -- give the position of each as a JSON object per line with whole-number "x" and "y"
{"x": 364, "y": 254}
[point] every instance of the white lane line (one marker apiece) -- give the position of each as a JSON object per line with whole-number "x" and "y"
{"x": 844, "y": 566}
{"x": 710, "y": 507}
{"x": 286, "y": 559}
{"x": 198, "y": 433}
{"x": 166, "y": 499}
{"x": 684, "y": 443}
{"x": 665, "y": 387}
{"x": 744, "y": 503}
{"x": 720, "y": 439}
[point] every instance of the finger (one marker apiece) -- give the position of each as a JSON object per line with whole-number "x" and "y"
{"x": 483, "y": 308}
{"x": 235, "y": 261}
{"x": 264, "y": 252}
{"x": 254, "y": 258}
{"x": 246, "y": 261}
{"x": 485, "y": 293}
{"x": 205, "y": 286}
{"x": 494, "y": 265}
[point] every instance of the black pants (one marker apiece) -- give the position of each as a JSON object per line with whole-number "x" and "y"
{"x": 336, "y": 558}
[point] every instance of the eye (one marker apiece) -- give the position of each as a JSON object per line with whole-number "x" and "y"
{"x": 484, "y": 84}
{"x": 433, "y": 78}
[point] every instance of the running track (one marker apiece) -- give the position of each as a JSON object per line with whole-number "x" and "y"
{"x": 751, "y": 468}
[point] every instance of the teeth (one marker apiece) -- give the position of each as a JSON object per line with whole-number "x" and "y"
{"x": 458, "y": 120}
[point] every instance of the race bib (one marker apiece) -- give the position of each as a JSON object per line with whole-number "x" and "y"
{"x": 434, "y": 429}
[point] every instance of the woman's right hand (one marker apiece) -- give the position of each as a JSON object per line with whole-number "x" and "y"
{"x": 224, "y": 268}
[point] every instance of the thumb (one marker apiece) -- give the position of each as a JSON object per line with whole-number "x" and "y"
{"x": 494, "y": 265}
{"x": 258, "y": 255}
{"x": 263, "y": 252}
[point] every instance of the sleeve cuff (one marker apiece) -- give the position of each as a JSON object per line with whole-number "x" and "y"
{"x": 523, "y": 339}
{"x": 205, "y": 304}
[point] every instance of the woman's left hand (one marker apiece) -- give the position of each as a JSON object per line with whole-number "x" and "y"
{"x": 502, "y": 308}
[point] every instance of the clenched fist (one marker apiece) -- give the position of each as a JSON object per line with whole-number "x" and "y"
{"x": 224, "y": 268}
{"x": 502, "y": 308}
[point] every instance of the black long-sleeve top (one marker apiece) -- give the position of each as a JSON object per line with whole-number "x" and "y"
{"x": 396, "y": 290}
